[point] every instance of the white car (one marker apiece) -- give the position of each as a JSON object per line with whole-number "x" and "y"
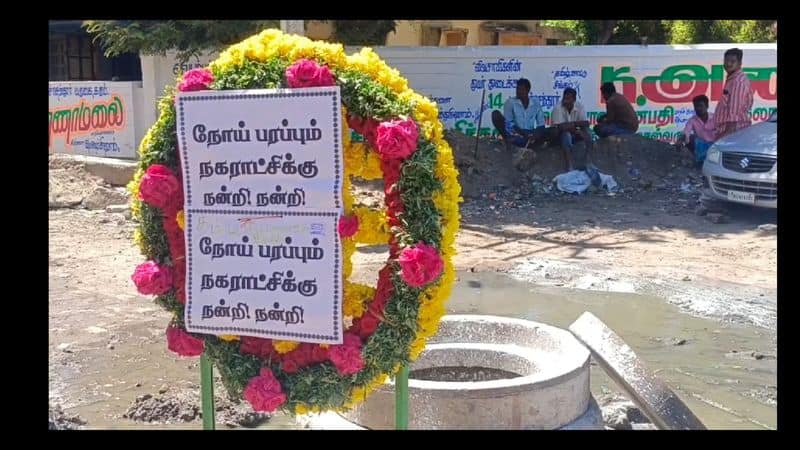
{"x": 742, "y": 167}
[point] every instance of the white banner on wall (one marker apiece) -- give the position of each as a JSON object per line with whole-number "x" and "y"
{"x": 262, "y": 184}
{"x": 659, "y": 80}
{"x": 93, "y": 118}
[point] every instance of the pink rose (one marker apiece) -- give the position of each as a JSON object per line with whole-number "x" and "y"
{"x": 307, "y": 73}
{"x": 421, "y": 264}
{"x": 196, "y": 80}
{"x": 160, "y": 187}
{"x": 183, "y": 343}
{"x": 397, "y": 139}
{"x": 264, "y": 392}
{"x": 152, "y": 279}
{"x": 348, "y": 226}
{"x": 347, "y": 357}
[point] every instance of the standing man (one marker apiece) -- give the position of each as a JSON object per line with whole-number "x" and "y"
{"x": 737, "y": 97}
{"x": 569, "y": 119}
{"x": 620, "y": 117}
{"x": 522, "y": 121}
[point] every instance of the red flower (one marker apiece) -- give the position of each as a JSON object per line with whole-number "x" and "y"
{"x": 257, "y": 346}
{"x": 347, "y": 357}
{"x": 307, "y": 73}
{"x": 179, "y": 279}
{"x": 319, "y": 354}
{"x": 365, "y": 127}
{"x": 183, "y": 343}
{"x": 348, "y": 226}
{"x": 290, "y": 366}
{"x": 397, "y": 139}
{"x": 264, "y": 392}
{"x": 421, "y": 264}
{"x": 196, "y": 80}
{"x": 391, "y": 174}
{"x": 160, "y": 188}
{"x": 151, "y": 278}
{"x": 368, "y": 324}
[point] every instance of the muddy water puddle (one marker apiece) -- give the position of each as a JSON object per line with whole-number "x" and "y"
{"x": 726, "y": 373}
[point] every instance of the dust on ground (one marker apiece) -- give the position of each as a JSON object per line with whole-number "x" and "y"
{"x": 107, "y": 347}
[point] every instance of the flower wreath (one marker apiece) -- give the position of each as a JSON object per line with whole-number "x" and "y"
{"x": 401, "y": 143}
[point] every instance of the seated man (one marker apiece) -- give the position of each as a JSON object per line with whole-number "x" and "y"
{"x": 522, "y": 121}
{"x": 569, "y": 119}
{"x": 699, "y": 130}
{"x": 620, "y": 117}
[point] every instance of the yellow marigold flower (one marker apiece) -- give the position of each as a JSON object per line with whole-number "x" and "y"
{"x": 372, "y": 167}
{"x": 373, "y": 227}
{"x": 228, "y": 337}
{"x": 356, "y": 296}
{"x": 284, "y": 346}
{"x": 179, "y": 218}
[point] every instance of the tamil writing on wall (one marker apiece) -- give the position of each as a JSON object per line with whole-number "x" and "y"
{"x": 660, "y": 81}
{"x": 93, "y": 118}
{"x": 262, "y": 184}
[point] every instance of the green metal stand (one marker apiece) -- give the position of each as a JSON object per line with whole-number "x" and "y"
{"x": 401, "y": 399}
{"x": 207, "y": 392}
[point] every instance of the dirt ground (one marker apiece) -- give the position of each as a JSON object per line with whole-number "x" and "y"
{"x": 107, "y": 348}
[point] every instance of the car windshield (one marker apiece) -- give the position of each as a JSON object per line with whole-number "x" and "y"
{"x": 774, "y": 117}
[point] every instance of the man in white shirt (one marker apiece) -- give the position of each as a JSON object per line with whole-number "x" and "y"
{"x": 569, "y": 119}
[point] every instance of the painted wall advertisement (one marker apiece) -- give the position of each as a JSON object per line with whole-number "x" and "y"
{"x": 263, "y": 198}
{"x": 93, "y": 118}
{"x": 660, "y": 81}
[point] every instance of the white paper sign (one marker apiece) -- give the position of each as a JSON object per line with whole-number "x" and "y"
{"x": 262, "y": 184}
{"x": 269, "y": 149}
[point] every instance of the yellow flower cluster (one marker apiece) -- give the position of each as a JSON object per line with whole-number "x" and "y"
{"x": 356, "y": 296}
{"x": 228, "y": 337}
{"x": 272, "y": 43}
{"x": 362, "y": 162}
{"x": 284, "y": 346}
{"x": 373, "y": 228}
{"x": 181, "y": 220}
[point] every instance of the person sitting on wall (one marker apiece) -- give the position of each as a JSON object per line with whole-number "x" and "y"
{"x": 620, "y": 117}
{"x": 522, "y": 121}
{"x": 570, "y": 122}
{"x": 699, "y": 130}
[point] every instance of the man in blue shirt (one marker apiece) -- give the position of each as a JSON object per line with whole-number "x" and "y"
{"x": 522, "y": 121}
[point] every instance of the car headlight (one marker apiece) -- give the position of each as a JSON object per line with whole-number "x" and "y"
{"x": 713, "y": 155}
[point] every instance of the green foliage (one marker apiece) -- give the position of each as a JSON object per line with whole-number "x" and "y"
{"x": 366, "y": 97}
{"x": 362, "y": 32}
{"x": 417, "y": 184}
{"x": 253, "y": 75}
{"x": 589, "y": 32}
{"x": 189, "y": 37}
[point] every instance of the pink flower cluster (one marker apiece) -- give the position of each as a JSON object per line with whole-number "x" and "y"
{"x": 196, "y": 80}
{"x": 348, "y": 226}
{"x": 160, "y": 187}
{"x": 421, "y": 264}
{"x": 183, "y": 343}
{"x": 264, "y": 392}
{"x": 151, "y": 278}
{"x": 307, "y": 73}
{"x": 347, "y": 356}
{"x": 397, "y": 139}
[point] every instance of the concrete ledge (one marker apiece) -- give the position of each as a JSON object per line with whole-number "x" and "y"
{"x": 117, "y": 172}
